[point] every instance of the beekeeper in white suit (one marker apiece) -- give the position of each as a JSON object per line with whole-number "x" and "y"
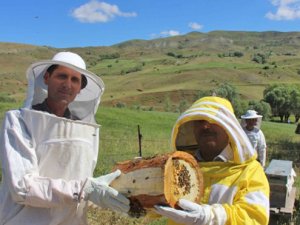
{"x": 251, "y": 123}
{"x": 49, "y": 148}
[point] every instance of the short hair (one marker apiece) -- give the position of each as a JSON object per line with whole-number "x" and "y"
{"x": 53, "y": 67}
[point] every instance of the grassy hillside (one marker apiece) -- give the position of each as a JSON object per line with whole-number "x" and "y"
{"x": 158, "y": 74}
{"x": 146, "y": 74}
{"x": 119, "y": 142}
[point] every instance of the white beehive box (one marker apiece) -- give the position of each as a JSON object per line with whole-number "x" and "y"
{"x": 280, "y": 175}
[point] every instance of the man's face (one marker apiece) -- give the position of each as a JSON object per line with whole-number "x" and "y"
{"x": 251, "y": 123}
{"x": 211, "y": 139}
{"x": 63, "y": 84}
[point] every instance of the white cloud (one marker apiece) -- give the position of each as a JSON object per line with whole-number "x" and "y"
{"x": 195, "y": 26}
{"x": 286, "y": 10}
{"x": 96, "y": 11}
{"x": 166, "y": 33}
{"x": 170, "y": 33}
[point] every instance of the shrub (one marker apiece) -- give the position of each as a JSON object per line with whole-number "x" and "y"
{"x": 120, "y": 105}
{"x": 259, "y": 58}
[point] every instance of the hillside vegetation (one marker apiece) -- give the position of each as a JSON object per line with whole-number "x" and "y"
{"x": 151, "y": 74}
{"x": 160, "y": 74}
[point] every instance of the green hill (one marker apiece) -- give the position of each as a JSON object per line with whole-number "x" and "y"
{"x": 151, "y": 74}
{"x": 163, "y": 72}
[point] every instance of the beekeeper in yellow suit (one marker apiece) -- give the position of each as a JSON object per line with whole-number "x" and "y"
{"x": 49, "y": 148}
{"x": 236, "y": 190}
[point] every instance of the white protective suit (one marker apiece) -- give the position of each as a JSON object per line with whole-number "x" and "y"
{"x": 256, "y": 136}
{"x": 45, "y": 159}
{"x": 258, "y": 141}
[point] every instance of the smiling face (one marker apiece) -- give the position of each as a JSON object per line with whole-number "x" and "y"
{"x": 211, "y": 139}
{"x": 63, "y": 85}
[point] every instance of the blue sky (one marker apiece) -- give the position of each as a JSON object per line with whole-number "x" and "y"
{"x": 82, "y": 23}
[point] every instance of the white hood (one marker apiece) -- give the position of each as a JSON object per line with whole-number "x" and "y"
{"x": 87, "y": 101}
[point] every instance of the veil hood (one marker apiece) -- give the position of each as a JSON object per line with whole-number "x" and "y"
{"x": 86, "y": 102}
{"x": 218, "y": 111}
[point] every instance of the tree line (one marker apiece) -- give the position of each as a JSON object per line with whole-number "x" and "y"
{"x": 279, "y": 100}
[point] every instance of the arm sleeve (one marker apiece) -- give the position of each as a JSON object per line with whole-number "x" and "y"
{"x": 251, "y": 203}
{"x": 20, "y": 169}
{"x": 262, "y": 148}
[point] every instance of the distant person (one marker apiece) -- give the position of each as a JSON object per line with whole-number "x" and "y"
{"x": 251, "y": 123}
{"x": 49, "y": 148}
{"x": 236, "y": 190}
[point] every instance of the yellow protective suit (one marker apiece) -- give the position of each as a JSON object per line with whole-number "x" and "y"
{"x": 237, "y": 189}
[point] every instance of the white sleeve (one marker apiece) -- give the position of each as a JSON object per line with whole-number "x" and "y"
{"x": 262, "y": 148}
{"x": 20, "y": 169}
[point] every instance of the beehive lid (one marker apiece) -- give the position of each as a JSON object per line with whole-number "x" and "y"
{"x": 279, "y": 168}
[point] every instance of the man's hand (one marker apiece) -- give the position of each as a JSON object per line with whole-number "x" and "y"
{"x": 98, "y": 191}
{"x": 191, "y": 213}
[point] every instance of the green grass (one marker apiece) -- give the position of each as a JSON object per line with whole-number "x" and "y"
{"x": 120, "y": 126}
{"x": 153, "y": 124}
{"x": 277, "y": 131}
{"x": 161, "y": 76}
{"x": 119, "y": 134}
{"x": 119, "y": 142}
{"x": 116, "y": 66}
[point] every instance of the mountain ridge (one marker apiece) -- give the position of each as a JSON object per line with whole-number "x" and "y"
{"x": 148, "y": 73}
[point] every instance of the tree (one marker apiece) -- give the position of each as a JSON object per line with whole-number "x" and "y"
{"x": 227, "y": 91}
{"x": 183, "y": 105}
{"x": 279, "y": 98}
{"x": 295, "y": 102}
{"x": 240, "y": 107}
{"x": 259, "y": 58}
{"x": 263, "y": 108}
{"x": 202, "y": 93}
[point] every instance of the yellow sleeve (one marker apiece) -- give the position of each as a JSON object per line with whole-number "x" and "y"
{"x": 251, "y": 203}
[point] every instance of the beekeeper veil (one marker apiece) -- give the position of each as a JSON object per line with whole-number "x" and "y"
{"x": 86, "y": 102}
{"x": 251, "y": 114}
{"x": 217, "y": 111}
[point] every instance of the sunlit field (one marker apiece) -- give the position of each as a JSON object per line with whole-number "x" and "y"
{"x": 119, "y": 141}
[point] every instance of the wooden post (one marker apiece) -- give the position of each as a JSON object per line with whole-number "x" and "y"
{"x": 140, "y": 141}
